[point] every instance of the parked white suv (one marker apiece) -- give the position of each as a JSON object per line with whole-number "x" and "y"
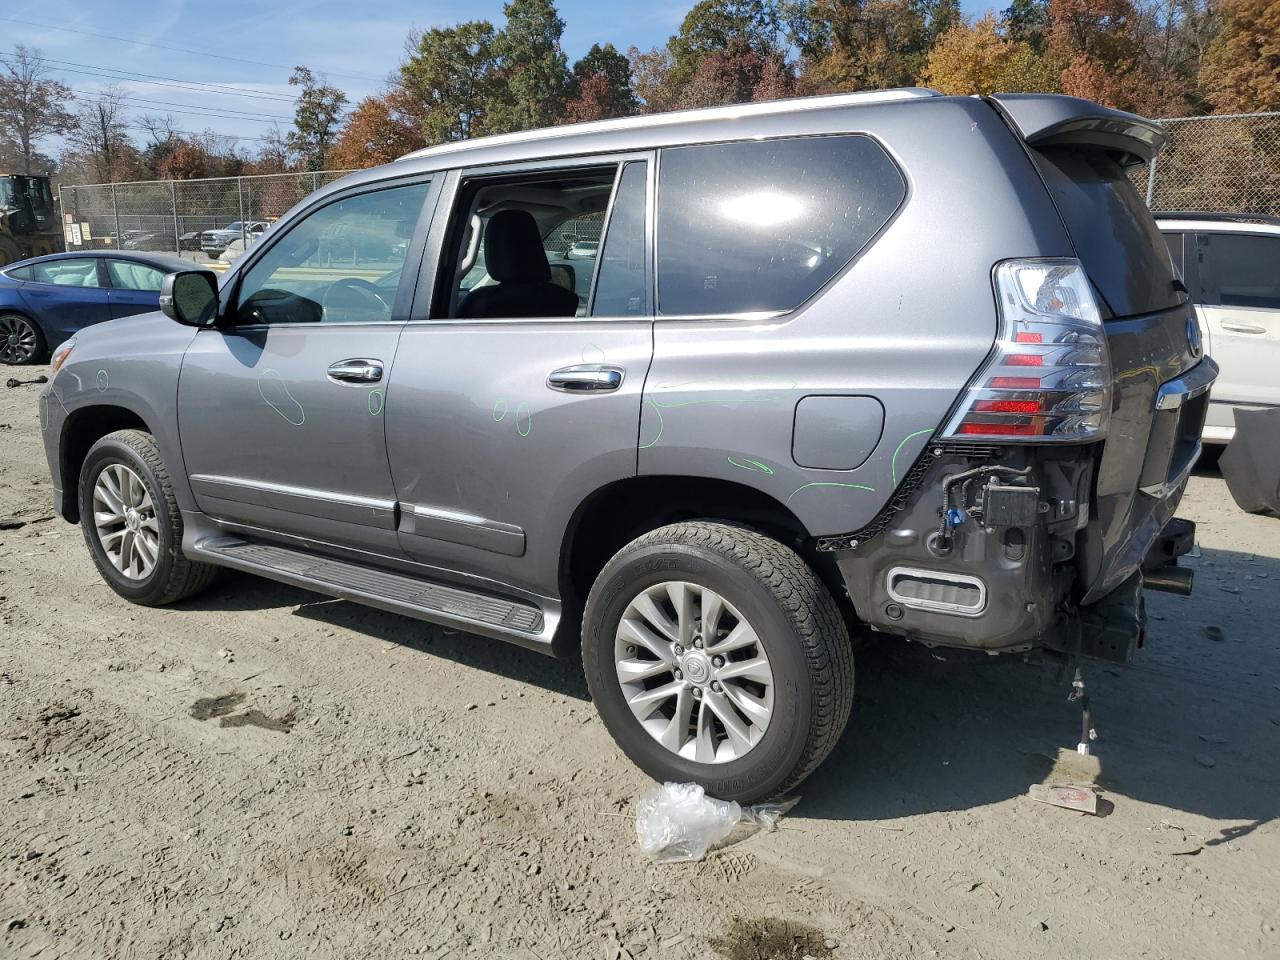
{"x": 1231, "y": 266}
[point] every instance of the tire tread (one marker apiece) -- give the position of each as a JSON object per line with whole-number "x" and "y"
{"x": 797, "y": 589}
{"x": 186, "y": 577}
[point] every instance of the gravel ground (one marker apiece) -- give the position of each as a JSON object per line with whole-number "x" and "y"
{"x": 261, "y": 772}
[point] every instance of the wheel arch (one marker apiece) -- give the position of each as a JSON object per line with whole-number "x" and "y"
{"x": 617, "y": 513}
{"x": 83, "y": 428}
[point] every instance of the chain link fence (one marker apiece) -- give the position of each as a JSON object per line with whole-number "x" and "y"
{"x": 1220, "y": 163}
{"x": 171, "y": 215}
{"x": 1225, "y": 163}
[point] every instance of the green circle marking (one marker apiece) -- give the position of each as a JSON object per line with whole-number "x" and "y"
{"x": 528, "y": 419}
{"x": 499, "y": 409}
{"x": 377, "y": 400}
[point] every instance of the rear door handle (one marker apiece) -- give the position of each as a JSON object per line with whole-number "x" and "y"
{"x": 585, "y": 378}
{"x": 1242, "y": 327}
{"x": 358, "y": 370}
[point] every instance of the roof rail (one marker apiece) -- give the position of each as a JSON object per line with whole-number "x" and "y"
{"x": 731, "y": 112}
{"x": 1216, "y": 216}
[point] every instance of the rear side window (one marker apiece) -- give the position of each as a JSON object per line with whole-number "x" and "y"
{"x": 19, "y": 273}
{"x": 1112, "y": 230}
{"x": 761, "y": 225}
{"x": 66, "y": 273}
{"x": 1239, "y": 270}
{"x": 620, "y": 287}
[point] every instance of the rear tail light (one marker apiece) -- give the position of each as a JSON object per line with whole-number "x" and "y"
{"x": 1050, "y": 377}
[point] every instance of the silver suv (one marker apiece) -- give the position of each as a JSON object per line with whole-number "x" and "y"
{"x": 897, "y": 361}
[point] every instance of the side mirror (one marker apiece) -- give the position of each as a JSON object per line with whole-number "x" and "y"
{"x": 190, "y": 297}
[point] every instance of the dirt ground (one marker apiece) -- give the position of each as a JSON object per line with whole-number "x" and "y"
{"x": 262, "y": 773}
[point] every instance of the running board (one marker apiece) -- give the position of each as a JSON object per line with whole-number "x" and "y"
{"x": 482, "y": 613}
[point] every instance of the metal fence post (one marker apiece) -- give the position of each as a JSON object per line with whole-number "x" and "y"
{"x": 173, "y": 202}
{"x": 115, "y": 211}
{"x": 315, "y": 180}
{"x": 1151, "y": 179}
{"x": 240, "y": 195}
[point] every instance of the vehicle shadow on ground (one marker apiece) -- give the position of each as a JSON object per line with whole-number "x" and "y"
{"x": 932, "y": 731}
{"x": 238, "y": 592}
{"x": 944, "y": 731}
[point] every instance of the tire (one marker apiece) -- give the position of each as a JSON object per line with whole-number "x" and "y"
{"x": 798, "y": 629}
{"x": 21, "y": 341}
{"x": 10, "y": 252}
{"x": 171, "y": 577}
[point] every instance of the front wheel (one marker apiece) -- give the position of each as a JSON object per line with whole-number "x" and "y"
{"x": 132, "y": 524}
{"x": 714, "y": 654}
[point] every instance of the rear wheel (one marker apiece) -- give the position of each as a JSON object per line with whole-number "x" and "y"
{"x": 131, "y": 522}
{"x": 716, "y": 655}
{"x": 21, "y": 341}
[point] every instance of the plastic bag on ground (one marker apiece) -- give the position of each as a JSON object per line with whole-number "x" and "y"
{"x": 678, "y": 821}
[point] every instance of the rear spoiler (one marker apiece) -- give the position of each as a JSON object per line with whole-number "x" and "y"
{"x": 1052, "y": 120}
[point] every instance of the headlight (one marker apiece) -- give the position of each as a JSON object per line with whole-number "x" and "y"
{"x": 60, "y": 355}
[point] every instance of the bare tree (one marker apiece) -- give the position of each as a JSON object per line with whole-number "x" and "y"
{"x": 161, "y": 130}
{"x": 32, "y": 106}
{"x": 102, "y": 133}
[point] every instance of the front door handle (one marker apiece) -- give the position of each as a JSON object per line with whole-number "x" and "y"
{"x": 1242, "y": 327}
{"x": 585, "y": 378}
{"x": 358, "y": 370}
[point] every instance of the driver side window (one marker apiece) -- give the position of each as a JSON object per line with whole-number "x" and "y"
{"x": 340, "y": 264}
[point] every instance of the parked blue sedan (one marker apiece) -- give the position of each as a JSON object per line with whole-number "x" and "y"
{"x": 45, "y": 300}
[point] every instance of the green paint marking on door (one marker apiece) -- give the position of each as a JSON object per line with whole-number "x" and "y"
{"x": 377, "y": 399}
{"x": 499, "y": 409}
{"x": 523, "y": 411}
{"x": 661, "y": 426}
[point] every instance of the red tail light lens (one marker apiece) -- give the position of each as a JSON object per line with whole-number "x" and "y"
{"x": 1050, "y": 324}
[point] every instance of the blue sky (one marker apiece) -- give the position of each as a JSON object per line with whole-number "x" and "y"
{"x": 353, "y": 52}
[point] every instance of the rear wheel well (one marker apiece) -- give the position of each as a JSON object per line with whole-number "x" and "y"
{"x": 83, "y": 429}
{"x": 617, "y": 514}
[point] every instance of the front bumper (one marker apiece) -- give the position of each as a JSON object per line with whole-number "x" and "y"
{"x": 53, "y": 415}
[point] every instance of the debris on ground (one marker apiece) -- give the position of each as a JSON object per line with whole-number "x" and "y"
{"x": 1066, "y": 796}
{"x": 678, "y": 821}
{"x": 15, "y": 382}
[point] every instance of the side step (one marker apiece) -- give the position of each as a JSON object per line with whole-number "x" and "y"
{"x": 482, "y": 613}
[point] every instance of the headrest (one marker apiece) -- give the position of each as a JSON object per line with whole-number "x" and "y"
{"x": 513, "y": 248}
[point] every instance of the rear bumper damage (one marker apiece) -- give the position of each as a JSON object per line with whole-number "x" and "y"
{"x": 1001, "y": 548}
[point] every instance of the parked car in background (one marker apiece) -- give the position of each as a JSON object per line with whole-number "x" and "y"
{"x": 213, "y": 242}
{"x": 45, "y": 301}
{"x": 1230, "y": 263}
{"x": 890, "y": 360}
{"x": 583, "y": 249}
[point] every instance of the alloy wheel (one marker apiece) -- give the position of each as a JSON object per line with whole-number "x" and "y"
{"x": 694, "y": 672}
{"x": 18, "y": 340}
{"x": 125, "y": 519}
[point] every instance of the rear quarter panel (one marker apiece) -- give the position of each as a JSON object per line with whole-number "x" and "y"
{"x": 908, "y": 323}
